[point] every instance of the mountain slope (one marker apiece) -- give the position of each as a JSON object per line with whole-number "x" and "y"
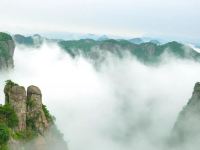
{"x": 7, "y": 47}
{"x": 186, "y": 131}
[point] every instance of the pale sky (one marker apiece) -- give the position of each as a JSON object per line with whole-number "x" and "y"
{"x": 168, "y": 18}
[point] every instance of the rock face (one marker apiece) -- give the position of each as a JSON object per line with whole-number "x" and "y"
{"x": 35, "y": 129}
{"x": 187, "y": 126}
{"x": 7, "y": 47}
{"x": 27, "y": 107}
{"x": 35, "y": 110}
{"x": 17, "y": 99}
{"x": 16, "y": 96}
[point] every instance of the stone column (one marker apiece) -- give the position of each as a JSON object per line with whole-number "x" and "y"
{"x": 17, "y": 99}
{"x": 34, "y": 109}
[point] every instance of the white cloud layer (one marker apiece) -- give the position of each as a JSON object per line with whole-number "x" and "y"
{"x": 124, "y": 105}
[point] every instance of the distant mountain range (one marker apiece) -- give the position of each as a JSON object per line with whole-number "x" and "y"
{"x": 32, "y": 41}
{"x": 96, "y": 50}
{"x": 144, "y": 40}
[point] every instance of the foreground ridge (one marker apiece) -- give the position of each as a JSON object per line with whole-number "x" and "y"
{"x": 186, "y": 130}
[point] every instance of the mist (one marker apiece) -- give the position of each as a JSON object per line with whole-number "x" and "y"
{"x": 122, "y": 105}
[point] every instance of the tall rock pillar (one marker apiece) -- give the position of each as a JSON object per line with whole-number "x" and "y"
{"x": 16, "y": 97}
{"x": 35, "y": 109}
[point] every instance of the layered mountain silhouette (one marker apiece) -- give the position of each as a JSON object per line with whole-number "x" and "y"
{"x": 150, "y": 52}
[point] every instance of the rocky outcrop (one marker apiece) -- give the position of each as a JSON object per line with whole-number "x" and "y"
{"x": 35, "y": 109}
{"x": 28, "y": 107}
{"x": 187, "y": 126}
{"x": 17, "y": 100}
{"x": 7, "y": 47}
{"x": 35, "y": 129}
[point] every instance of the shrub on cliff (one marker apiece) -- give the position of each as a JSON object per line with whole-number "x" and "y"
{"x": 4, "y": 134}
{"x": 49, "y": 117}
{"x": 8, "y": 116}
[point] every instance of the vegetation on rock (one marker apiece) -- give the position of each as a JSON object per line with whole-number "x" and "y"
{"x": 49, "y": 117}
{"x": 7, "y": 47}
{"x": 4, "y": 134}
{"x": 8, "y": 116}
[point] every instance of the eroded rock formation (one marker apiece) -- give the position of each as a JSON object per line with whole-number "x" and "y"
{"x": 35, "y": 129}
{"x": 35, "y": 109}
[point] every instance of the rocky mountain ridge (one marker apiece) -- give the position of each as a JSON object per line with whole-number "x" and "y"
{"x": 147, "y": 53}
{"x": 97, "y": 50}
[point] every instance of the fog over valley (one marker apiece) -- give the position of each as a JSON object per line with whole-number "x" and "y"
{"x": 121, "y": 103}
{"x": 99, "y": 75}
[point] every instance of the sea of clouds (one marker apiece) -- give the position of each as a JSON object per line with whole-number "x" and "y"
{"x": 123, "y": 105}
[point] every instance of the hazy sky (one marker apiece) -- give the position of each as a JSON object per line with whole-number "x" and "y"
{"x": 168, "y": 18}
